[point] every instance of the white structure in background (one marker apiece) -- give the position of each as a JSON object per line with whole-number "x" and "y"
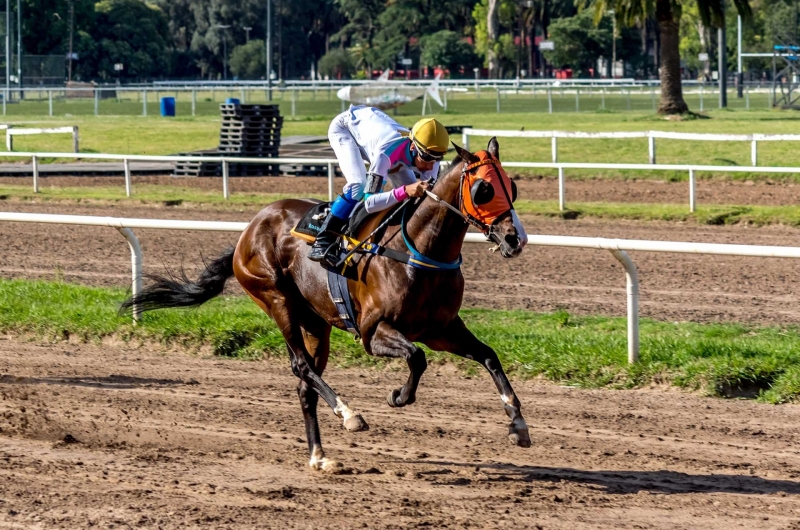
{"x": 384, "y": 94}
{"x": 11, "y": 132}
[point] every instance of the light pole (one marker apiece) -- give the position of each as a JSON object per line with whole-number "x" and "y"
{"x": 613, "y": 43}
{"x": 247, "y": 31}
{"x": 8, "y": 51}
{"x": 269, "y": 50}
{"x": 71, "y": 31}
{"x": 225, "y": 51}
{"x": 19, "y": 49}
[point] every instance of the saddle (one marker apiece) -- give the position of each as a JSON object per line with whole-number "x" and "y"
{"x": 361, "y": 224}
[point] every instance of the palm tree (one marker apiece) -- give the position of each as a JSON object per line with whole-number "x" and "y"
{"x": 668, "y": 15}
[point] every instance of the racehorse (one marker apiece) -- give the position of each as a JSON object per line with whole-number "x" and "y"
{"x": 396, "y": 304}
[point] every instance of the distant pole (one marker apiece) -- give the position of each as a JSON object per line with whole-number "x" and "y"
{"x": 722, "y": 64}
{"x": 269, "y": 50}
{"x": 71, "y": 31}
{"x": 247, "y": 31}
{"x": 19, "y": 48}
{"x": 739, "y": 70}
{"x": 8, "y": 51}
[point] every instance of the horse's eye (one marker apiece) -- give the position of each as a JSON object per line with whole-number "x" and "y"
{"x": 481, "y": 192}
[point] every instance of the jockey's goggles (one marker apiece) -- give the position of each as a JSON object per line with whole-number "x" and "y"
{"x": 427, "y": 156}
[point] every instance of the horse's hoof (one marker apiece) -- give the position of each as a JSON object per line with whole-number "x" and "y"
{"x": 391, "y": 399}
{"x": 355, "y": 423}
{"x": 520, "y": 437}
{"x": 326, "y": 465}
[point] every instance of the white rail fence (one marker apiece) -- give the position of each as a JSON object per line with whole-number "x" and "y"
{"x": 11, "y": 132}
{"x": 617, "y": 247}
{"x": 691, "y": 169}
{"x": 650, "y": 135}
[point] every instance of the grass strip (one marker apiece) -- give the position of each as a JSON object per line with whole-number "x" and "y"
{"x": 729, "y": 360}
{"x": 189, "y": 197}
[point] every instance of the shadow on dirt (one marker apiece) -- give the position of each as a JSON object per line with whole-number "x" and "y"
{"x": 112, "y": 381}
{"x": 631, "y": 482}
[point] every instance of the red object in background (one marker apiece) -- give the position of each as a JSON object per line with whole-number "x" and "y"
{"x": 564, "y": 73}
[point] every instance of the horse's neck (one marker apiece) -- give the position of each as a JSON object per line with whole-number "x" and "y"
{"x": 437, "y": 232}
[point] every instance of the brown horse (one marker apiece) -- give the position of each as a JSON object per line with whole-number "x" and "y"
{"x": 396, "y": 305}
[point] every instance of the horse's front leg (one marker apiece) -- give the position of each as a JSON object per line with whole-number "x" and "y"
{"x": 457, "y": 339}
{"x": 388, "y": 342}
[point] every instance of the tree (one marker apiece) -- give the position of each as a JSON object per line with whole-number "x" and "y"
{"x": 579, "y": 43}
{"x": 447, "y": 49}
{"x": 668, "y": 14}
{"x": 248, "y": 60}
{"x": 336, "y": 64}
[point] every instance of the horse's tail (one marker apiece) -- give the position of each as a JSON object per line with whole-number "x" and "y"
{"x": 177, "y": 290}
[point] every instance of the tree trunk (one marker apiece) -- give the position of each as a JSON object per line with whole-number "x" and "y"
{"x": 671, "y": 91}
{"x": 492, "y": 31}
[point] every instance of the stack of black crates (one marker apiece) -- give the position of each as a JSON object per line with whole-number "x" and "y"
{"x": 251, "y": 131}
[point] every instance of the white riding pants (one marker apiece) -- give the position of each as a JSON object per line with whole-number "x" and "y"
{"x": 351, "y": 160}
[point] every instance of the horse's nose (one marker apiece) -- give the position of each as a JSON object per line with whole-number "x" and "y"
{"x": 512, "y": 241}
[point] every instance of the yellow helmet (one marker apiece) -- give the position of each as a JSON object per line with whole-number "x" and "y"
{"x": 431, "y": 138}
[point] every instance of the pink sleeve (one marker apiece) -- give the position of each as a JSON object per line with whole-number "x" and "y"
{"x": 400, "y": 193}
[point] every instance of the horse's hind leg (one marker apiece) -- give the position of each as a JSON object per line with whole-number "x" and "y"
{"x": 457, "y": 339}
{"x": 388, "y": 342}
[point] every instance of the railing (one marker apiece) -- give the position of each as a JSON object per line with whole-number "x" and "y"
{"x": 650, "y": 135}
{"x": 691, "y": 169}
{"x": 617, "y": 247}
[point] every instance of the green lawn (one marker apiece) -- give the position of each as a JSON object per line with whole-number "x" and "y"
{"x": 719, "y": 359}
{"x": 161, "y": 136}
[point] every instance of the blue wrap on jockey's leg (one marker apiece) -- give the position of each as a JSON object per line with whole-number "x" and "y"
{"x": 343, "y": 206}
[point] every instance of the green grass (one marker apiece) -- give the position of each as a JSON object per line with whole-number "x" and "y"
{"x": 185, "y": 196}
{"x": 717, "y": 359}
{"x": 160, "y": 136}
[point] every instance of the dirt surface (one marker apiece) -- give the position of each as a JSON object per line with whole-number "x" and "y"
{"x": 532, "y": 188}
{"x": 118, "y": 437}
{"x": 673, "y": 286}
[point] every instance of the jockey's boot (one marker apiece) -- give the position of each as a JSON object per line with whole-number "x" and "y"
{"x": 334, "y": 224}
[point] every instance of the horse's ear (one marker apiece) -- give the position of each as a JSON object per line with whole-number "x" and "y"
{"x": 465, "y": 155}
{"x": 494, "y": 148}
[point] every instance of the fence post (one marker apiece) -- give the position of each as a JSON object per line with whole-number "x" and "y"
{"x": 194, "y": 101}
{"x": 692, "y": 191}
{"x": 549, "y": 100}
{"x": 465, "y": 140}
{"x": 633, "y": 304}
{"x": 50, "y": 101}
{"x": 330, "y": 181}
{"x": 629, "y": 98}
{"x": 225, "y": 190}
{"x": 653, "y": 97}
{"x": 445, "y": 99}
{"x": 35, "y": 163}
{"x": 754, "y": 152}
{"x": 5, "y": 97}
{"x": 75, "y": 139}
{"x": 9, "y": 141}
{"x": 498, "y": 100}
{"x": 747, "y": 97}
{"x": 294, "y": 97}
{"x": 242, "y": 96}
{"x": 144, "y": 102}
{"x": 651, "y": 148}
{"x": 127, "y": 165}
{"x": 603, "y": 99}
{"x": 577, "y": 99}
{"x": 701, "y": 97}
{"x": 561, "y": 192}
{"x": 97, "y": 101}
{"x": 554, "y": 148}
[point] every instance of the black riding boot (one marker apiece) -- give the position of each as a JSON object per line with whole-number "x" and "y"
{"x": 327, "y": 238}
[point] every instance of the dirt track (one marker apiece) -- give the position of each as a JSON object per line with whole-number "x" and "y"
{"x": 175, "y": 441}
{"x": 115, "y": 436}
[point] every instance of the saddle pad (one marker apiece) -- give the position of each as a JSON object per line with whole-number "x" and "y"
{"x": 308, "y": 227}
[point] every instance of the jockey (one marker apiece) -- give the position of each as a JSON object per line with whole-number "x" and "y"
{"x": 393, "y": 152}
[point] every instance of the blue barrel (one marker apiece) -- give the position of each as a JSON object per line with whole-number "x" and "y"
{"x": 168, "y": 106}
{"x": 232, "y": 101}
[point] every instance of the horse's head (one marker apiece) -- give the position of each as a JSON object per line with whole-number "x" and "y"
{"x": 486, "y": 199}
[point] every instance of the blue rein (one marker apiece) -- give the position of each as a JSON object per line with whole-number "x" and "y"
{"x": 419, "y": 261}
